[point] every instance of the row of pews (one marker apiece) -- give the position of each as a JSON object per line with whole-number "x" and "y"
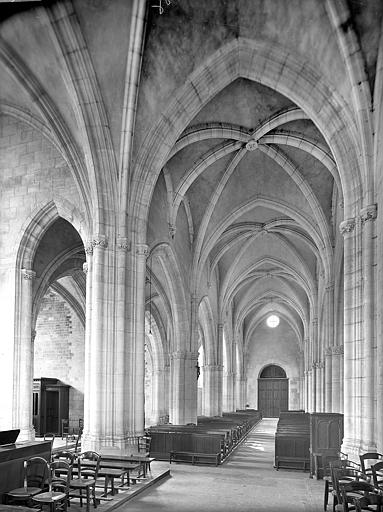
{"x": 305, "y": 440}
{"x": 208, "y": 442}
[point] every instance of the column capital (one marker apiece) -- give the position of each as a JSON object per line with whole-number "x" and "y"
{"x": 142, "y": 250}
{"x": 329, "y": 286}
{"x": 347, "y": 226}
{"x": 172, "y": 230}
{"x": 89, "y": 248}
{"x": 338, "y": 349}
{"x": 328, "y": 351}
{"x": 27, "y": 274}
{"x": 100, "y": 241}
{"x": 368, "y": 213}
{"x": 184, "y": 354}
{"x": 123, "y": 243}
{"x": 85, "y": 267}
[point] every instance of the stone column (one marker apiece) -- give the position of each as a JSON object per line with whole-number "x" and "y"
{"x": 183, "y": 400}
{"x": 328, "y": 379}
{"x": 317, "y": 389}
{"x": 329, "y": 344}
{"x": 159, "y": 404}
{"x": 121, "y": 384}
{"x": 96, "y": 409}
{"x": 135, "y": 402}
{"x": 306, "y": 385}
{"x": 310, "y": 407}
{"x": 228, "y": 391}
{"x": 314, "y": 359}
{"x": 352, "y": 336}
{"x": 87, "y": 269}
{"x": 24, "y": 362}
{"x": 369, "y": 352}
{"x": 212, "y": 375}
{"x": 219, "y": 371}
{"x": 337, "y": 379}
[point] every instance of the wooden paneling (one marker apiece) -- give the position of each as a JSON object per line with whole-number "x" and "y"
{"x": 326, "y": 436}
{"x": 12, "y": 463}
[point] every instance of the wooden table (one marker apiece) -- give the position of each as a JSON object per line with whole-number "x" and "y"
{"x": 143, "y": 460}
{"x": 113, "y": 469}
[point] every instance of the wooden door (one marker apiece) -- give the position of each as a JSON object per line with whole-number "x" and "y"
{"x": 52, "y": 411}
{"x": 273, "y": 397}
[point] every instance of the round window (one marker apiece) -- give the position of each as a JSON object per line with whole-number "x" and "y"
{"x": 272, "y": 321}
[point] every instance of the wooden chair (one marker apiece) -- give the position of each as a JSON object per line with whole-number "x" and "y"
{"x": 88, "y": 464}
{"x": 66, "y": 455}
{"x": 331, "y": 462}
{"x": 367, "y": 460}
{"x": 57, "y": 496}
{"x": 342, "y": 476}
{"x": 144, "y": 443}
{"x": 65, "y": 428}
{"x": 36, "y": 479}
{"x": 377, "y": 475}
{"x": 360, "y": 495}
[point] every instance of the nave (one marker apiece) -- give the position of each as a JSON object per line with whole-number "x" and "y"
{"x": 246, "y": 482}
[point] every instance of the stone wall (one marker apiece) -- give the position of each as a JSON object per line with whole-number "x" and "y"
{"x": 273, "y": 346}
{"x": 59, "y": 350}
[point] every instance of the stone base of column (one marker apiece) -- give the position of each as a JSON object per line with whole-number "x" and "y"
{"x": 352, "y": 447}
{"x": 111, "y": 445}
{"x": 26, "y": 434}
{"x": 368, "y": 446}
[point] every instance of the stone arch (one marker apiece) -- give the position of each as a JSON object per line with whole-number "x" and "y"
{"x": 176, "y": 289}
{"x": 28, "y": 241}
{"x": 268, "y": 369}
{"x": 39, "y": 221}
{"x": 206, "y": 319}
{"x": 269, "y": 64}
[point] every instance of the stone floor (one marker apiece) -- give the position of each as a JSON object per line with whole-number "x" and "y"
{"x": 247, "y": 481}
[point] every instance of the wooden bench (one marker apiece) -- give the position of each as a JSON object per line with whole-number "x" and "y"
{"x": 292, "y": 463}
{"x": 195, "y": 458}
{"x": 292, "y": 441}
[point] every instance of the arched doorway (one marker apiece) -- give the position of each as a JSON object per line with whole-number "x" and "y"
{"x": 273, "y": 391}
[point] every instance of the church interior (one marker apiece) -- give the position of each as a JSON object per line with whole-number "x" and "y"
{"x": 190, "y": 215}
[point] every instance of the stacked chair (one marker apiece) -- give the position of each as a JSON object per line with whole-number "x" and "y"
{"x": 339, "y": 461}
{"x": 357, "y": 487}
{"x": 367, "y": 460}
{"x": 51, "y": 485}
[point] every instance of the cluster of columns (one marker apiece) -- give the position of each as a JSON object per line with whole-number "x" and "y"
{"x": 114, "y": 348}
{"x": 360, "y": 348}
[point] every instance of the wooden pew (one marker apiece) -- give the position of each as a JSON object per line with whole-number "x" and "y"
{"x": 215, "y": 437}
{"x": 292, "y": 441}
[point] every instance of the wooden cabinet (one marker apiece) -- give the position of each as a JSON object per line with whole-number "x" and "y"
{"x": 50, "y": 405}
{"x": 326, "y": 435}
